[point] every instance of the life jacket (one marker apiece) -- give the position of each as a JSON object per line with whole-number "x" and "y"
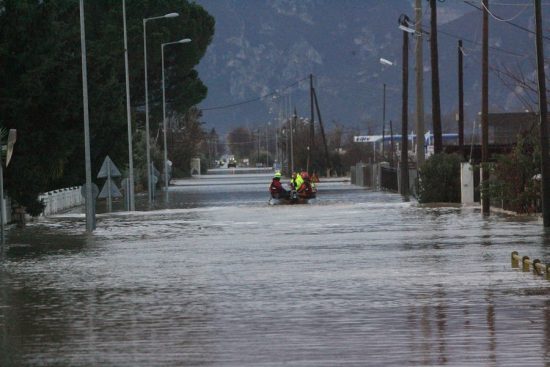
{"x": 297, "y": 182}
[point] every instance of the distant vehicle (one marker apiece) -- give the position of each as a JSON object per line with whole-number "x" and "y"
{"x": 232, "y": 164}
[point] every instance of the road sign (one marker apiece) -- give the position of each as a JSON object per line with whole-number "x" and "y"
{"x": 367, "y": 138}
{"x": 108, "y": 169}
{"x": 112, "y": 187}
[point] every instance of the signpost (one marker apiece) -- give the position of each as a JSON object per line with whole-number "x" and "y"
{"x": 110, "y": 189}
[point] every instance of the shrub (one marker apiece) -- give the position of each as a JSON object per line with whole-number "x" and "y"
{"x": 514, "y": 180}
{"x": 439, "y": 179}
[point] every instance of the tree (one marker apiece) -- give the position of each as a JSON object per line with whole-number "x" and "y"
{"x": 41, "y": 94}
{"x": 188, "y": 139}
{"x": 241, "y": 142}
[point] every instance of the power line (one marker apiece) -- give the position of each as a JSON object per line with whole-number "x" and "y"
{"x": 253, "y": 99}
{"x": 505, "y": 21}
{"x": 479, "y": 44}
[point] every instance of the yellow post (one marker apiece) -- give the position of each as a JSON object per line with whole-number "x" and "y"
{"x": 536, "y": 265}
{"x": 515, "y": 259}
{"x": 525, "y": 262}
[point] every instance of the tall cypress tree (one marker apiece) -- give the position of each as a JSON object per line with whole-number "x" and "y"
{"x": 41, "y": 93}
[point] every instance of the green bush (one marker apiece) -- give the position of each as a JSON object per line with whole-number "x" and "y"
{"x": 513, "y": 182}
{"x": 439, "y": 179}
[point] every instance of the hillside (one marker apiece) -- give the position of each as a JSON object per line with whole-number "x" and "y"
{"x": 263, "y": 46}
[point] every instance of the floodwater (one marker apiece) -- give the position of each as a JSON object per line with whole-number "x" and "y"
{"x": 221, "y": 278}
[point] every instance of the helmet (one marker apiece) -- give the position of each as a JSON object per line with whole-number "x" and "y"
{"x": 277, "y": 175}
{"x": 304, "y": 175}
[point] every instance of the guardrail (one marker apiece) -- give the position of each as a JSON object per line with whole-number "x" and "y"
{"x": 62, "y": 199}
{"x": 527, "y": 264}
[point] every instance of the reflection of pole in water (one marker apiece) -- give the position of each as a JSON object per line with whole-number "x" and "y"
{"x": 546, "y": 313}
{"x": 441, "y": 315}
{"x": 426, "y": 335}
{"x": 491, "y": 327}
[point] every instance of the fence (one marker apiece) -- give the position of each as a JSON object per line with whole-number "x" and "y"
{"x": 62, "y": 199}
{"x": 388, "y": 178}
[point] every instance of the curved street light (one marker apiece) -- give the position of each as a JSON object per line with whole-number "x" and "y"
{"x": 185, "y": 40}
{"x": 148, "y": 148}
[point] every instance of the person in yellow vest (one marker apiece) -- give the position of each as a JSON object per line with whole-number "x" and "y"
{"x": 296, "y": 181}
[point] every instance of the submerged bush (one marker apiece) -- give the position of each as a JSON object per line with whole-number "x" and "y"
{"x": 439, "y": 179}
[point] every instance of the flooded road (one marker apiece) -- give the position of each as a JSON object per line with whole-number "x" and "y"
{"x": 220, "y": 278}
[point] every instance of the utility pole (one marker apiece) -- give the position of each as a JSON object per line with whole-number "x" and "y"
{"x": 258, "y": 160}
{"x": 485, "y": 200}
{"x": 543, "y": 113}
{"x": 460, "y": 102}
{"x": 404, "y": 169}
{"x": 419, "y": 86}
{"x": 292, "y": 124}
{"x": 311, "y": 125}
{"x": 383, "y": 119}
{"x": 327, "y": 157}
{"x": 436, "y": 105}
{"x": 392, "y": 156}
{"x": 267, "y": 145}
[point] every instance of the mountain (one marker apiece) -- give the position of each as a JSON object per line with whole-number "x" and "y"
{"x": 261, "y": 47}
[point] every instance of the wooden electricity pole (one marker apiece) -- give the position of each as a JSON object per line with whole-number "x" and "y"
{"x": 404, "y": 168}
{"x": 419, "y": 73}
{"x": 543, "y": 113}
{"x": 434, "y": 58}
{"x": 383, "y": 121}
{"x": 460, "y": 102}
{"x": 311, "y": 128}
{"x": 327, "y": 156}
{"x": 485, "y": 200}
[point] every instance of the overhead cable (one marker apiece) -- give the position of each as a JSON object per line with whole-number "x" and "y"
{"x": 512, "y": 24}
{"x": 253, "y": 99}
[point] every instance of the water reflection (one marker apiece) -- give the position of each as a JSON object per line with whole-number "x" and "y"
{"x": 228, "y": 280}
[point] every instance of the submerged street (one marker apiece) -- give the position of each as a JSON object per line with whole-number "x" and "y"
{"x": 217, "y": 276}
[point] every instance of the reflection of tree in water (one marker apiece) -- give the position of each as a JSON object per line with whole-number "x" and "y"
{"x": 491, "y": 327}
{"x": 32, "y": 309}
{"x": 33, "y": 320}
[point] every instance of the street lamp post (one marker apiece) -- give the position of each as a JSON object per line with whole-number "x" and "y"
{"x": 148, "y": 148}
{"x": 403, "y": 21}
{"x": 185, "y": 40}
{"x": 90, "y": 225}
{"x": 130, "y": 193}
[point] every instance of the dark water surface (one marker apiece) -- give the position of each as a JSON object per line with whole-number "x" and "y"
{"x": 219, "y": 278}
